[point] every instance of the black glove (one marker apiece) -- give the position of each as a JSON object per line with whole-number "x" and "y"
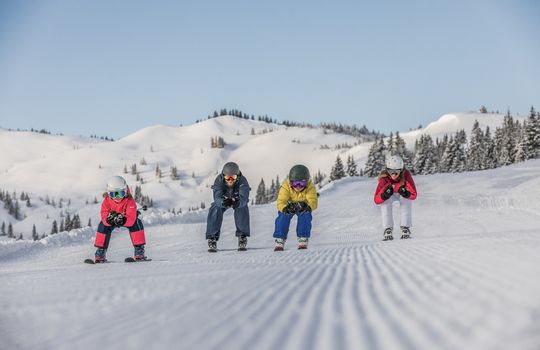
{"x": 235, "y": 203}
{"x": 403, "y": 192}
{"x": 227, "y": 202}
{"x": 119, "y": 220}
{"x": 303, "y": 207}
{"x": 110, "y": 218}
{"x": 388, "y": 192}
{"x": 290, "y": 208}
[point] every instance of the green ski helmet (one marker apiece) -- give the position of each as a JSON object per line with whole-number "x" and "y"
{"x": 299, "y": 172}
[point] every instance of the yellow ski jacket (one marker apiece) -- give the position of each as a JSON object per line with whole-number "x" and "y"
{"x": 287, "y": 193}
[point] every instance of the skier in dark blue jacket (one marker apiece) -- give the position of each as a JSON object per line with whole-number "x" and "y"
{"x": 231, "y": 190}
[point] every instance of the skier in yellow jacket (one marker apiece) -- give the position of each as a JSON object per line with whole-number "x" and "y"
{"x": 297, "y": 196}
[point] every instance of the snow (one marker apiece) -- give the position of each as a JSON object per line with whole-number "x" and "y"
{"x": 467, "y": 280}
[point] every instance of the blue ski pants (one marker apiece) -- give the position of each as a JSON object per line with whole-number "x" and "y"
{"x": 283, "y": 222}
{"x": 215, "y": 219}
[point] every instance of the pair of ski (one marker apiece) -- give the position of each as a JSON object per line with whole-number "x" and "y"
{"x": 390, "y": 238}
{"x": 214, "y": 250}
{"x": 129, "y": 259}
{"x": 280, "y": 249}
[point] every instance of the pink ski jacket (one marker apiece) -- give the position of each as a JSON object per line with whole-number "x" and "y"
{"x": 126, "y": 207}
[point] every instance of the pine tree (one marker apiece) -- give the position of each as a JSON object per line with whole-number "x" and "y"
{"x": 490, "y": 160}
{"x": 532, "y": 135}
{"x": 35, "y": 236}
{"x": 260, "y": 196}
{"x": 425, "y": 158}
{"x": 338, "y": 172}
{"x": 375, "y": 161}
{"x": 54, "y": 228}
{"x": 3, "y": 229}
{"x": 10, "y": 231}
{"x": 351, "y": 166}
{"x": 476, "y": 152}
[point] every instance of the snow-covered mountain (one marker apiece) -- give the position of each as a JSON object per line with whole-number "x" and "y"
{"x": 75, "y": 169}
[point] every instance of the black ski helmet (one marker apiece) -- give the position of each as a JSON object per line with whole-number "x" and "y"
{"x": 231, "y": 168}
{"x": 299, "y": 172}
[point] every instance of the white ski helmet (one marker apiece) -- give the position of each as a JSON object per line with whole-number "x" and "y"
{"x": 116, "y": 183}
{"x": 394, "y": 162}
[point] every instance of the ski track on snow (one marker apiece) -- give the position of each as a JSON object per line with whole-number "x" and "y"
{"x": 471, "y": 284}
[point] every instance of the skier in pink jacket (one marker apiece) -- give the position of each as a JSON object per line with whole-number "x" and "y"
{"x": 395, "y": 185}
{"x": 119, "y": 209}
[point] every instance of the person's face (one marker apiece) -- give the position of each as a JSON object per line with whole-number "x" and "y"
{"x": 298, "y": 186}
{"x": 394, "y": 173}
{"x": 117, "y": 196}
{"x": 230, "y": 179}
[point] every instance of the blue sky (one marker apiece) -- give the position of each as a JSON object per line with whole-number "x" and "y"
{"x": 113, "y": 67}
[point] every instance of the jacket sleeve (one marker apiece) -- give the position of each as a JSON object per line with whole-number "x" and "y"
{"x": 381, "y": 186}
{"x": 409, "y": 185}
{"x": 243, "y": 192}
{"x": 131, "y": 212}
{"x": 217, "y": 187}
{"x": 105, "y": 208}
{"x": 311, "y": 196}
{"x": 283, "y": 196}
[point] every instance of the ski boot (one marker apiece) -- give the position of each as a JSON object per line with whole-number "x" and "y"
{"x": 387, "y": 236}
{"x": 139, "y": 253}
{"x": 405, "y": 232}
{"x": 100, "y": 256}
{"x": 302, "y": 242}
{"x": 242, "y": 243}
{"x": 280, "y": 244}
{"x": 212, "y": 245}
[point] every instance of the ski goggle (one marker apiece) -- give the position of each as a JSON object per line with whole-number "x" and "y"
{"x": 299, "y": 184}
{"x": 117, "y": 194}
{"x": 394, "y": 171}
{"x": 230, "y": 177}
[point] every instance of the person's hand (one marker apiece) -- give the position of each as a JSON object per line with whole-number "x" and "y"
{"x": 110, "y": 218}
{"x": 303, "y": 207}
{"x": 227, "y": 202}
{"x": 235, "y": 203}
{"x": 290, "y": 208}
{"x": 404, "y": 192}
{"x": 119, "y": 220}
{"x": 388, "y": 192}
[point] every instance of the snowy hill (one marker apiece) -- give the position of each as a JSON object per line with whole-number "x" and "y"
{"x": 467, "y": 280}
{"x": 74, "y": 169}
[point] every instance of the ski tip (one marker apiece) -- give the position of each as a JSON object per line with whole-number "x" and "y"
{"x": 212, "y": 250}
{"x": 89, "y": 261}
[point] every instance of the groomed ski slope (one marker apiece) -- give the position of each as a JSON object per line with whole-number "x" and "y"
{"x": 467, "y": 280}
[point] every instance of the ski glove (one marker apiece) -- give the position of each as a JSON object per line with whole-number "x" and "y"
{"x": 388, "y": 192}
{"x": 290, "y": 208}
{"x": 229, "y": 202}
{"x": 119, "y": 220}
{"x": 403, "y": 192}
{"x": 303, "y": 207}
{"x": 110, "y": 218}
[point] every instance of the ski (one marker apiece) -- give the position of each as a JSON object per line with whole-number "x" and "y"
{"x": 300, "y": 247}
{"x": 212, "y": 250}
{"x": 130, "y": 259}
{"x": 278, "y": 249}
{"x": 242, "y": 249}
{"x": 92, "y": 262}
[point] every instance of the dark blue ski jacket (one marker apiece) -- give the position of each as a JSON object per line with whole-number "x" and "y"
{"x": 239, "y": 191}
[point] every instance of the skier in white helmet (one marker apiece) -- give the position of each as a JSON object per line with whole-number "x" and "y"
{"x": 119, "y": 209}
{"x": 396, "y": 185}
